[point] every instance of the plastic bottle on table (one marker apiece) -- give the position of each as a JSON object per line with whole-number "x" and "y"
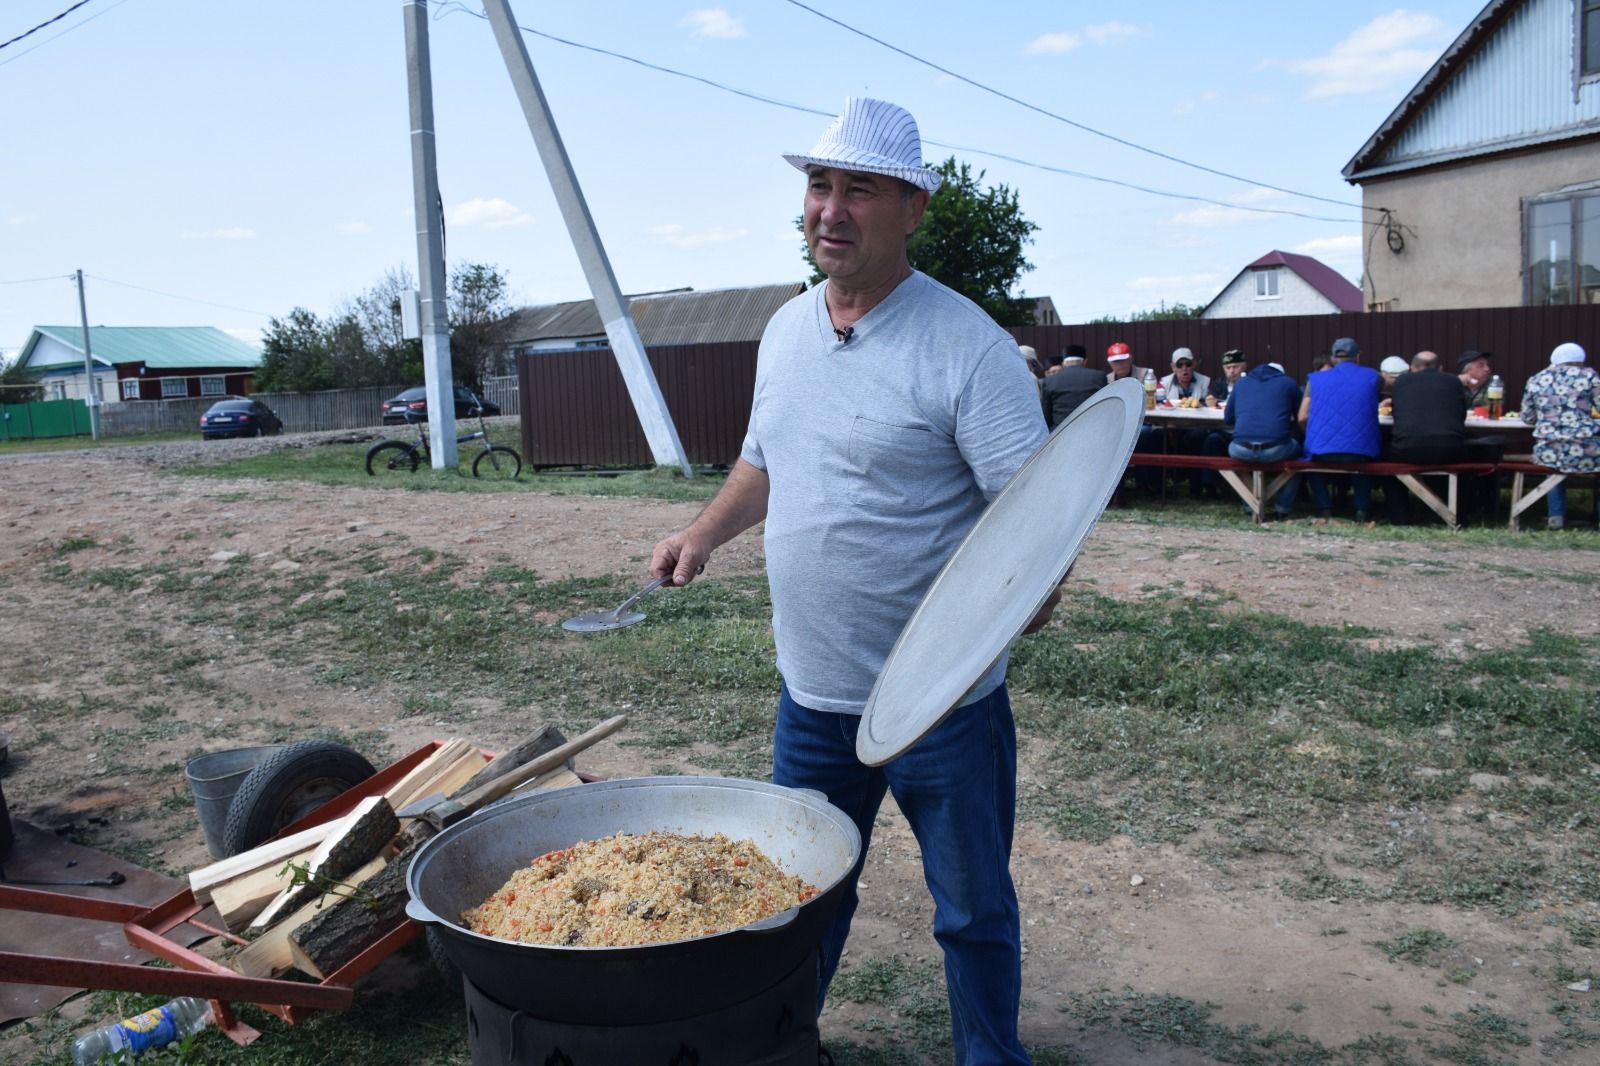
{"x": 143, "y": 1032}
{"x": 1497, "y": 397}
{"x": 1161, "y": 395}
{"x": 1149, "y": 391}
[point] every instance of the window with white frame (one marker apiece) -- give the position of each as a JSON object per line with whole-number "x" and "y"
{"x": 1266, "y": 284}
{"x": 211, "y": 386}
{"x": 130, "y": 388}
{"x": 1588, "y": 32}
{"x": 171, "y": 387}
{"x": 1561, "y": 257}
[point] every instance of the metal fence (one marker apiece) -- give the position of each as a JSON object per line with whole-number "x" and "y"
{"x": 504, "y": 392}
{"x": 577, "y": 411}
{"x": 300, "y": 411}
{"x": 1520, "y": 338}
{"x": 43, "y": 418}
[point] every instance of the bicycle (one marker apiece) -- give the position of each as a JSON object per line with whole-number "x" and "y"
{"x": 494, "y": 462}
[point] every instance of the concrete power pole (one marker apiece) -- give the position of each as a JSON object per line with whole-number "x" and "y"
{"x": 643, "y": 389}
{"x": 437, "y": 374}
{"x": 91, "y": 394}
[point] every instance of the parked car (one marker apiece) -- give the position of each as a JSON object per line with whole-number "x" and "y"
{"x": 416, "y": 402}
{"x": 236, "y": 417}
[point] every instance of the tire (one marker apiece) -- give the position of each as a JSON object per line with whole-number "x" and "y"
{"x": 446, "y": 968}
{"x": 499, "y": 463}
{"x": 291, "y": 784}
{"x": 392, "y": 457}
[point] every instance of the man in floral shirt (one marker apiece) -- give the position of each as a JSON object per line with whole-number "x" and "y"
{"x": 1562, "y": 404}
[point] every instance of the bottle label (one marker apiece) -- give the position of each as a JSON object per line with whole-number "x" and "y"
{"x": 152, "y": 1029}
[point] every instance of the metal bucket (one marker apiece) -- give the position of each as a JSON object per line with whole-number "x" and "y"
{"x": 214, "y": 779}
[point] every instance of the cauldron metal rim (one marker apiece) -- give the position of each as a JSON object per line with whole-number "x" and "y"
{"x": 419, "y": 911}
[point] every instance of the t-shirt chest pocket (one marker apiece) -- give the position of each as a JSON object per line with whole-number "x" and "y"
{"x": 890, "y": 464}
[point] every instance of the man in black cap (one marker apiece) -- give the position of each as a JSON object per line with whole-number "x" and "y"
{"x": 1066, "y": 389}
{"x": 1475, "y": 369}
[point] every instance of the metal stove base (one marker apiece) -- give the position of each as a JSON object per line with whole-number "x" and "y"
{"x": 777, "y": 1027}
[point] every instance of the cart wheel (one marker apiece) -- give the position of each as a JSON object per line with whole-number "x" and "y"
{"x": 448, "y": 971}
{"x": 293, "y": 782}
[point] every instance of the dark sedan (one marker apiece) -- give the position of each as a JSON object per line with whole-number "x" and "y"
{"x": 236, "y": 417}
{"x": 415, "y": 401}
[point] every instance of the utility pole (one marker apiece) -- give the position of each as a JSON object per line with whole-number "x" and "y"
{"x": 91, "y": 395}
{"x": 437, "y": 375}
{"x": 643, "y": 388}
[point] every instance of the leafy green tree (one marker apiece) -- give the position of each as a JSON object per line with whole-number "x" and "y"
{"x": 19, "y": 384}
{"x": 479, "y": 308}
{"x": 1164, "y": 313}
{"x": 972, "y": 240}
{"x": 295, "y": 355}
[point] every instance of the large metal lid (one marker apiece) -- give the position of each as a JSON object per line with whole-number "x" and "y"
{"x": 1002, "y": 573}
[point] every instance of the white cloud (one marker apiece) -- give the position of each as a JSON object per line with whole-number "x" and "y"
{"x": 1219, "y": 215}
{"x": 229, "y": 233}
{"x": 675, "y": 236}
{"x": 493, "y": 213}
{"x": 1052, "y": 44}
{"x": 1106, "y": 31}
{"x": 713, "y": 22}
{"x": 1331, "y": 247}
{"x": 1173, "y": 282}
{"x": 1379, "y": 57}
{"x": 353, "y": 229}
{"x": 249, "y": 336}
{"x": 1189, "y": 104}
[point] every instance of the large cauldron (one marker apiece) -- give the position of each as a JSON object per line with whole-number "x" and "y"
{"x": 461, "y": 866}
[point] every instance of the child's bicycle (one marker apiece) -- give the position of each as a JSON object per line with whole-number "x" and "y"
{"x": 493, "y": 462}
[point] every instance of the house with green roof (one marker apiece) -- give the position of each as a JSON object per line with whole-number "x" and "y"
{"x": 141, "y": 362}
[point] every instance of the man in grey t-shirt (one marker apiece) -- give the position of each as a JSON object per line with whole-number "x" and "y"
{"x": 888, "y": 411}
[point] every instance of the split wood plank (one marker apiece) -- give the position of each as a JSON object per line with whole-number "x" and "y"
{"x": 365, "y": 832}
{"x": 268, "y": 955}
{"x": 407, "y": 788}
{"x": 206, "y": 878}
{"x": 453, "y": 776}
{"x": 241, "y": 899}
{"x": 547, "y": 739}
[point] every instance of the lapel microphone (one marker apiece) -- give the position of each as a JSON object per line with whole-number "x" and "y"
{"x": 845, "y": 334}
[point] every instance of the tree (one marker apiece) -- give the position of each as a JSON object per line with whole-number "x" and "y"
{"x": 19, "y": 384}
{"x": 479, "y": 311}
{"x": 295, "y": 355}
{"x": 1164, "y": 313}
{"x": 972, "y": 240}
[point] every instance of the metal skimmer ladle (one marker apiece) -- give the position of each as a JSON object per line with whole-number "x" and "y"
{"x": 619, "y": 617}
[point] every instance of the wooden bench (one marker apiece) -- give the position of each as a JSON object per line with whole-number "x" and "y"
{"x": 1258, "y": 489}
{"x": 1523, "y": 497}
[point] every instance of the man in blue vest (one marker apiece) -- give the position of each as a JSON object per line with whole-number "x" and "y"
{"x": 1340, "y": 413}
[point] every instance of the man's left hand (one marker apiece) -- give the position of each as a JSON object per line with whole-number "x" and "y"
{"x": 1043, "y": 617}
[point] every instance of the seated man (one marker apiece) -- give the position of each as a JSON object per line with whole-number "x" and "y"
{"x": 1262, "y": 411}
{"x": 1340, "y": 413}
{"x": 1217, "y": 393}
{"x": 1181, "y": 385}
{"x": 1119, "y": 360}
{"x": 1066, "y": 389}
{"x": 1430, "y": 417}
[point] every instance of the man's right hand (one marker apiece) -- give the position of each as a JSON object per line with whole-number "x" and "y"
{"x": 681, "y": 555}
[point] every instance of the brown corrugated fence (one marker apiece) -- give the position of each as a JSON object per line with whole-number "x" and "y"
{"x": 575, "y": 408}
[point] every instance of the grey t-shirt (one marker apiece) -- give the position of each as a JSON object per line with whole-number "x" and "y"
{"x": 881, "y": 452}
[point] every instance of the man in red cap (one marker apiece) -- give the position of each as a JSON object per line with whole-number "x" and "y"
{"x": 1119, "y": 357}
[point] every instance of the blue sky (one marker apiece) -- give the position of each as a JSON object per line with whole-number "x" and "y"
{"x": 255, "y": 156}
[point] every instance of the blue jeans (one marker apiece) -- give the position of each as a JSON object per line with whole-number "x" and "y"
{"x": 1360, "y": 484}
{"x": 1281, "y": 452}
{"x": 1555, "y": 501}
{"x": 958, "y": 788}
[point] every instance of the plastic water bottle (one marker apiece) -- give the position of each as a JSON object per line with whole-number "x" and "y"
{"x": 1161, "y": 395}
{"x": 143, "y": 1032}
{"x": 1149, "y": 390}
{"x": 1497, "y": 397}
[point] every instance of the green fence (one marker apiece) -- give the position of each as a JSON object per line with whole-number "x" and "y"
{"x": 49, "y": 418}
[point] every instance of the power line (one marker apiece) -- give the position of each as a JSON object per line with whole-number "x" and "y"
{"x": 63, "y": 33}
{"x": 29, "y": 281}
{"x": 175, "y": 296}
{"x": 42, "y": 25}
{"x": 453, "y": 6}
{"x": 1071, "y": 122}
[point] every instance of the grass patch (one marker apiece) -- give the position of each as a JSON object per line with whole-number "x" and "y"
{"x": 1421, "y": 946}
{"x": 72, "y": 444}
{"x": 345, "y": 465}
{"x": 75, "y": 544}
{"x": 911, "y": 997}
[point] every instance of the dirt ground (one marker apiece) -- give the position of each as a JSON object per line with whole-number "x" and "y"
{"x": 1187, "y": 928}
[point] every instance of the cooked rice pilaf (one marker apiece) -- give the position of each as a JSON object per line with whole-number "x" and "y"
{"x": 648, "y": 889}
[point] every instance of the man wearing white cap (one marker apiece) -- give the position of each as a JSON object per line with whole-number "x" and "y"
{"x": 1562, "y": 404}
{"x": 888, "y": 411}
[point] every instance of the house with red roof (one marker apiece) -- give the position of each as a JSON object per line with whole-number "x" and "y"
{"x": 1283, "y": 283}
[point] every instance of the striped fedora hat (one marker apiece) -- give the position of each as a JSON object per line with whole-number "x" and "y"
{"x": 874, "y": 137}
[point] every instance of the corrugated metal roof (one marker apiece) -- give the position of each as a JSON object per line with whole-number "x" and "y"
{"x": 1505, "y": 83}
{"x": 157, "y": 347}
{"x": 678, "y": 317}
{"x": 1314, "y": 272}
